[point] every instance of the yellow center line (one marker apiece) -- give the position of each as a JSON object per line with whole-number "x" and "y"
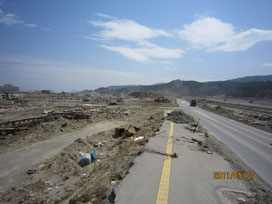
{"x": 162, "y": 196}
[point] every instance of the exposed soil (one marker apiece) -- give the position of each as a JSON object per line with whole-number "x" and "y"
{"x": 62, "y": 178}
{"x": 96, "y": 110}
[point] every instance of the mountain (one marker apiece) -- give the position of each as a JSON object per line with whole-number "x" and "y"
{"x": 253, "y": 78}
{"x": 120, "y": 87}
{"x": 232, "y": 88}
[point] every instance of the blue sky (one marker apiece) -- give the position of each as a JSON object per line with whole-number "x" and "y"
{"x": 75, "y": 45}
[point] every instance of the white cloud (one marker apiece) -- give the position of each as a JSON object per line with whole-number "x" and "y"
{"x": 212, "y": 34}
{"x": 11, "y": 19}
{"x": 129, "y": 53}
{"x": 104, "y": 15}
{"x": 145, "y": 54}
{"x": 267, "y": 65}
{"x": 206, "y": 33}
{"x": 127, "y": 30}
{"x": 245, "y": 40}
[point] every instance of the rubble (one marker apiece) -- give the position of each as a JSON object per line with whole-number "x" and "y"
{"x": 112, "y": 103}
{"x": 99, "y": 144}
{"x": 122, "y": 132}
{"x": 161, "y": 99}
{"x": 198, "y": 141}
{"x": 119, "y": 131}
{"x": 144, "y": 94}
{"x": 130, "y": 131}
{"x": 178, "y": 116}
{"x": 92, "y": 181}
{"x": 48, "y": 111}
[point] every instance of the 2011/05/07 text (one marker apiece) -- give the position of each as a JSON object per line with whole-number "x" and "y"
{"x": 233, "y": 175}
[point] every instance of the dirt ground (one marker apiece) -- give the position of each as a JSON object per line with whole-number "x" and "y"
{"x": 255, "y": 116}
{"x": 96, "y": 110}
{"x": 61, "y": 177}
{"x": 113, "y": 159}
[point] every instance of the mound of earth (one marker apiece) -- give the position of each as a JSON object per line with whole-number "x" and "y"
{"x": 179, "y": 117}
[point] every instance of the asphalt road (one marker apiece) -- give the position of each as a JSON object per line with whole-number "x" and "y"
{"x": 252, "y": 145}
{"x": 155, "y": 178}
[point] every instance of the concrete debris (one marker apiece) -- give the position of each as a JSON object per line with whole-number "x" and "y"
{"x": 25, "y": 124}
{"x": 161, "y": 99}
{"x": 126, "y": 113}
{"x": 198, "y": 141}
{"x": 48, "y": 111}
{"x": 209, "y": 152}
{"x": 77, "y": 115}
{"x": 241, "y": 200}
{"x": 121, "y": 131}
{"x": 179, "y": 117}
{"x": 99, "y": 144}
{"x": 130, "y": 131}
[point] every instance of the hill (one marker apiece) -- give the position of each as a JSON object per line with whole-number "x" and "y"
{"x": 231, "y": 88}
{"x": 253, "y": 79}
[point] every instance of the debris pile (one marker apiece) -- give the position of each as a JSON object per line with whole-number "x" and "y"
{"x": 161, "y": 99}
{"x": 122, "y": 132}
{"x": 144, "y": 94}
{"x": 178, "y": 116}
{"x": 85, "y": 171}
{"x": 11, "y": 127}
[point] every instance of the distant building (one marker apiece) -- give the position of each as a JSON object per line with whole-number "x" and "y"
{"x": 8, "y": 88}
{"x": 45, "y": 91}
